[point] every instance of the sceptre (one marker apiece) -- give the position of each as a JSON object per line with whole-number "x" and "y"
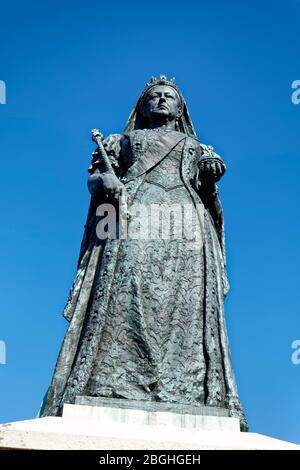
{"x": 97, "y": 137}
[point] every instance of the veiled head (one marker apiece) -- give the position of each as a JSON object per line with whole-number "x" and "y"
{"x": 161, "y": 96}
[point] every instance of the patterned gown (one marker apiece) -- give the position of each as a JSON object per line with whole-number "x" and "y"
{"x": 147, "y": 313}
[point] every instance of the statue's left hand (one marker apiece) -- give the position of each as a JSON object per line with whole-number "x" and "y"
{"x": 211, "y": 166}
{"x": 211, "y": 170}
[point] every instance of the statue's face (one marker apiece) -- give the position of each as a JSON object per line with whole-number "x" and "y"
{"x": 162, "y": 100}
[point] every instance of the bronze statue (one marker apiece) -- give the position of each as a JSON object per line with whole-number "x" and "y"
{"x": 147, "y": 314}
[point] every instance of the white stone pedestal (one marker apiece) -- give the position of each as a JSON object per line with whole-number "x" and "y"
{"x": 109, "y": 428}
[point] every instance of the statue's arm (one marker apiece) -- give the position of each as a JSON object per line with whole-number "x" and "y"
{"x": 101, "y": 179}
{"x": 211, "y": 168}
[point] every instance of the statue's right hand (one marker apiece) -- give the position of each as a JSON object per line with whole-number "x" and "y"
{"x": 112, "y": 185}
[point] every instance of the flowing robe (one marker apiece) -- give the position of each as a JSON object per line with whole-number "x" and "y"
{"x": 147, "y": 315}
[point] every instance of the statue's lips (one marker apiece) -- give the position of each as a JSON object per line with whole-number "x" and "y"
{"x": 163, "y": 106}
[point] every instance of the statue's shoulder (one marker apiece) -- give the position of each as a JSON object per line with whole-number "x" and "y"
{"x": 112, "y": 141}
{"x": 205, "y": 148}
{"x": 192, "y": 146}
{"x": 192, "y": 141}
{"x": 200, "y": 150}
{"x": 134, "y": 132}
{"x": 114, "y": 144}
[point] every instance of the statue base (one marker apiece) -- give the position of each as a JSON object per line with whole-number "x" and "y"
{"x": 152, "y": 413}
{"x": 104, "y": 427}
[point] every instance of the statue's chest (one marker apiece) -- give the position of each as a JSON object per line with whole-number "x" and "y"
{"x": 157, "y": 154}
{"x": 149, "y": 145}
{"x": 167, "y": 172}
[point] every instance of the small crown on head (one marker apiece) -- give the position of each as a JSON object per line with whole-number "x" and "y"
{"x": 161, "y": 80}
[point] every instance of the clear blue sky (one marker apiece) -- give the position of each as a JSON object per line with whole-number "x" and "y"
{"x": 73, "y": 66}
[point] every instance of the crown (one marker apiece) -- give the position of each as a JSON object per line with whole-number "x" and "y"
{"x": 162, "y": 80}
